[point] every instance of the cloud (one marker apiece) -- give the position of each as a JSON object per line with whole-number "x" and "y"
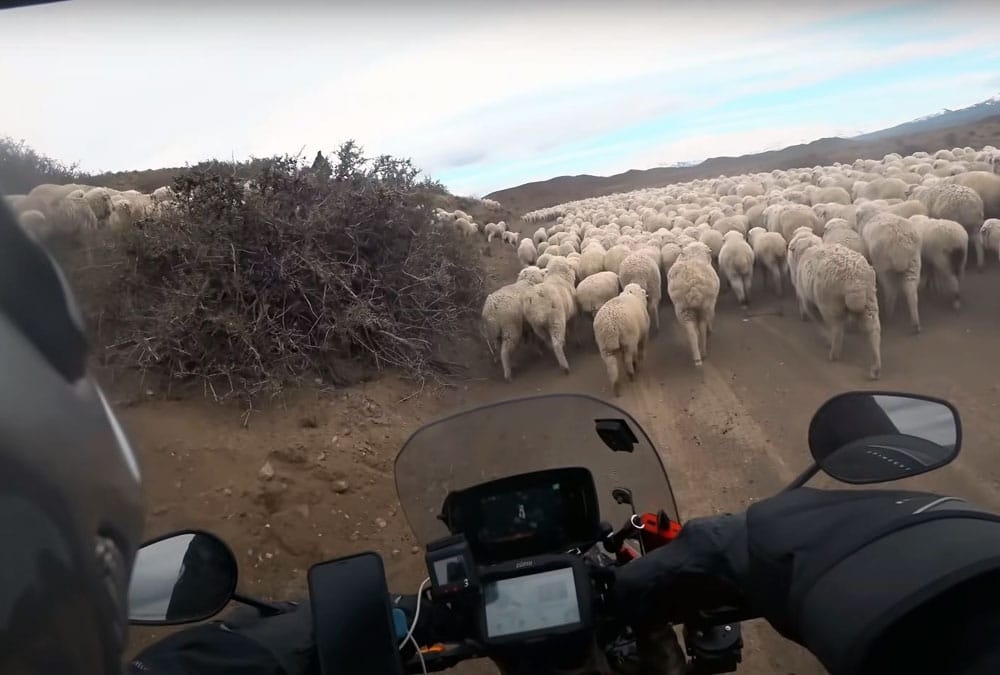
{"x": 481, "y": 94}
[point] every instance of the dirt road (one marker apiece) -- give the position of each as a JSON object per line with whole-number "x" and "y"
{"x": 730, "y": 432}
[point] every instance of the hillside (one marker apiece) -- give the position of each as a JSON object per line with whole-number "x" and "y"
{"x": 823, "y": 151}
{"x": 941, "y": 120}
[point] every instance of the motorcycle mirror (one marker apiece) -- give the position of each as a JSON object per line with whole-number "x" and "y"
{"x": 874, "y": 437}
{"x": 181, "y": 577}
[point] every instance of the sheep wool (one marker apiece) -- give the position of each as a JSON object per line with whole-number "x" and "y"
{"x": 621, "y": 329}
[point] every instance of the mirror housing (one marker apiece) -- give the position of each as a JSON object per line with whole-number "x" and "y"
{"x": 181, "y": 577}
{"x": 874, "y": 437}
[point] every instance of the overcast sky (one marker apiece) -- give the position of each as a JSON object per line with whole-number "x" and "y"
{"x": 482, "y": 95}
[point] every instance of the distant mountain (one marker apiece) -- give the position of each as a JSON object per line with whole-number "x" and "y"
{"x": 975, "y": 126}
{"x": 939, "y": 120}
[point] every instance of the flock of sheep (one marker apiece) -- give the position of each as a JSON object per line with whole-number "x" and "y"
{"x": 842, "y": 234}
{"x": 52, "y": 212}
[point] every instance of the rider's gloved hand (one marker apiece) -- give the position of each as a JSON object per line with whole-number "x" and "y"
{"x": 289, "y": 636}
{"x": 832, "y": 570}
{"x": 244, "y": 643}
{"x": 708, "y": 559}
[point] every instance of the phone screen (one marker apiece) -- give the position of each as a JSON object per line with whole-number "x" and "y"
{"x": 352, "y": 617}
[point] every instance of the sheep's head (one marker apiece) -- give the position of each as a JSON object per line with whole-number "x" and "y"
{"x": 990, "y": 233}
{"x": 836, "y": 224}
{"x": 697, "y": 250}
{"x": 635, "y": 290}
{"x": 532, "y": 275}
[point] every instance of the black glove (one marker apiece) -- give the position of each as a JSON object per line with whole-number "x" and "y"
{"x": 289, "y": 636}
{"x": 245, "y": 643}
{"x": 831, "y": 570}
{"x": 705, "y": 566}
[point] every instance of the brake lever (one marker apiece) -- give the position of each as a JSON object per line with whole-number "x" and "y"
{"x": 614, "y": 542}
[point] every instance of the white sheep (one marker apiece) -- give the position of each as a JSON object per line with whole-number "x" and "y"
{"x": 595, "y": 290}
{"x": 591, "y": 260}
{"x": 834, "y": 283}
{"x": 466, "y": 226}
{"x": 540, "y": 236}
{"x": 987, "y": 186}
{"x": 693, "y": 287}
{"x": 550, "y": 305}
{"x": 839, "y": 231}
{"x": 959, "y": 203}
{"x": 640, "y": 268}
{"x": 164, "y": 194}
{"x": 880, "y": 188}
{"x": 827, "y": 195}
{"x": 736, "y": 260}
{"x": 770, "y": 252}
{"x": 990, "y": 234}
{"x": 614, "y": 256}
{"x": 786, "y": 218}
{"x": 713, "y": 240}
{"x": 99, "y": 200}
{"x": 492, "y": 230}
{"x": 738, "y": 223}
{"x": 668, "y": 256}
{"x": 944, "y": 246}
{"x": 893, "y": 245}
{"x": 503, "y": 316}
{"x": 621, "y": 329}
{"x": 526, "y": 252}
{"x": 827, "y": 212}
{"x": 800, "y": 241}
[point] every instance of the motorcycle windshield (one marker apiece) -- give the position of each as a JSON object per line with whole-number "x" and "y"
{"x": 521, "y": 436}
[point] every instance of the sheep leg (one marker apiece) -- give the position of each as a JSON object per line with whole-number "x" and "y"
{"x": 654, "y": 311}
{"x": 977, "y": 244}
{"x": 748, "y": 286}
{"x": 557, "y": 334}
{"x": 628, "y": 356}
{"x": 776, "y": 279}
{"x": 890, "y": 292}
{"x": 835, "y": 327}
{"x": 703, "y": 338}
{"x": 611, "y": 364}
{"x": 910, "y": 293}
{"x": 950, "y": 286}
{"x": 506, "y": 348}
{"x": 874, "y": 331}
{"x": 692, "y": 336}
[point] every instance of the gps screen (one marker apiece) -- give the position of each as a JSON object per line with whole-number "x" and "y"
{"x": 538, "y": 512}
{"x": 531, "y": 602}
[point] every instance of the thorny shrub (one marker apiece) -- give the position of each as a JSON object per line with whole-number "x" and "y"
{"x": 303, "y": 272}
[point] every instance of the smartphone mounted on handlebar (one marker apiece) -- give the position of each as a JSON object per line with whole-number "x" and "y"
{"x": 352, "y": 617}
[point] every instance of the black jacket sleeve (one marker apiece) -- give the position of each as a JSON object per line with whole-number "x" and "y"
{"x": 208, "y": 649}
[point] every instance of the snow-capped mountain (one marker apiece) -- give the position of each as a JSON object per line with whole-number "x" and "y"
{"x": 939, "y": 120}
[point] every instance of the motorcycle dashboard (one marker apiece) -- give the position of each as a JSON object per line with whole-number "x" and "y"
{"x": 531, "y": 514}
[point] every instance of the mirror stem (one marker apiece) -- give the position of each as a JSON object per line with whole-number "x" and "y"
{"x": 265, "y": 608}
{"x": 803, "y": 477}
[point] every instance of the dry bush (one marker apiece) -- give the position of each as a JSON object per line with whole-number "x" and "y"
{"x": 303, "y": 275}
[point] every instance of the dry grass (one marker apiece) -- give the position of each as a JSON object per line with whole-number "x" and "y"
{"x": 304, "y": 276}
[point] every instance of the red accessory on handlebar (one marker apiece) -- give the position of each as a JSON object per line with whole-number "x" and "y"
{"x": 658, "y": 529}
